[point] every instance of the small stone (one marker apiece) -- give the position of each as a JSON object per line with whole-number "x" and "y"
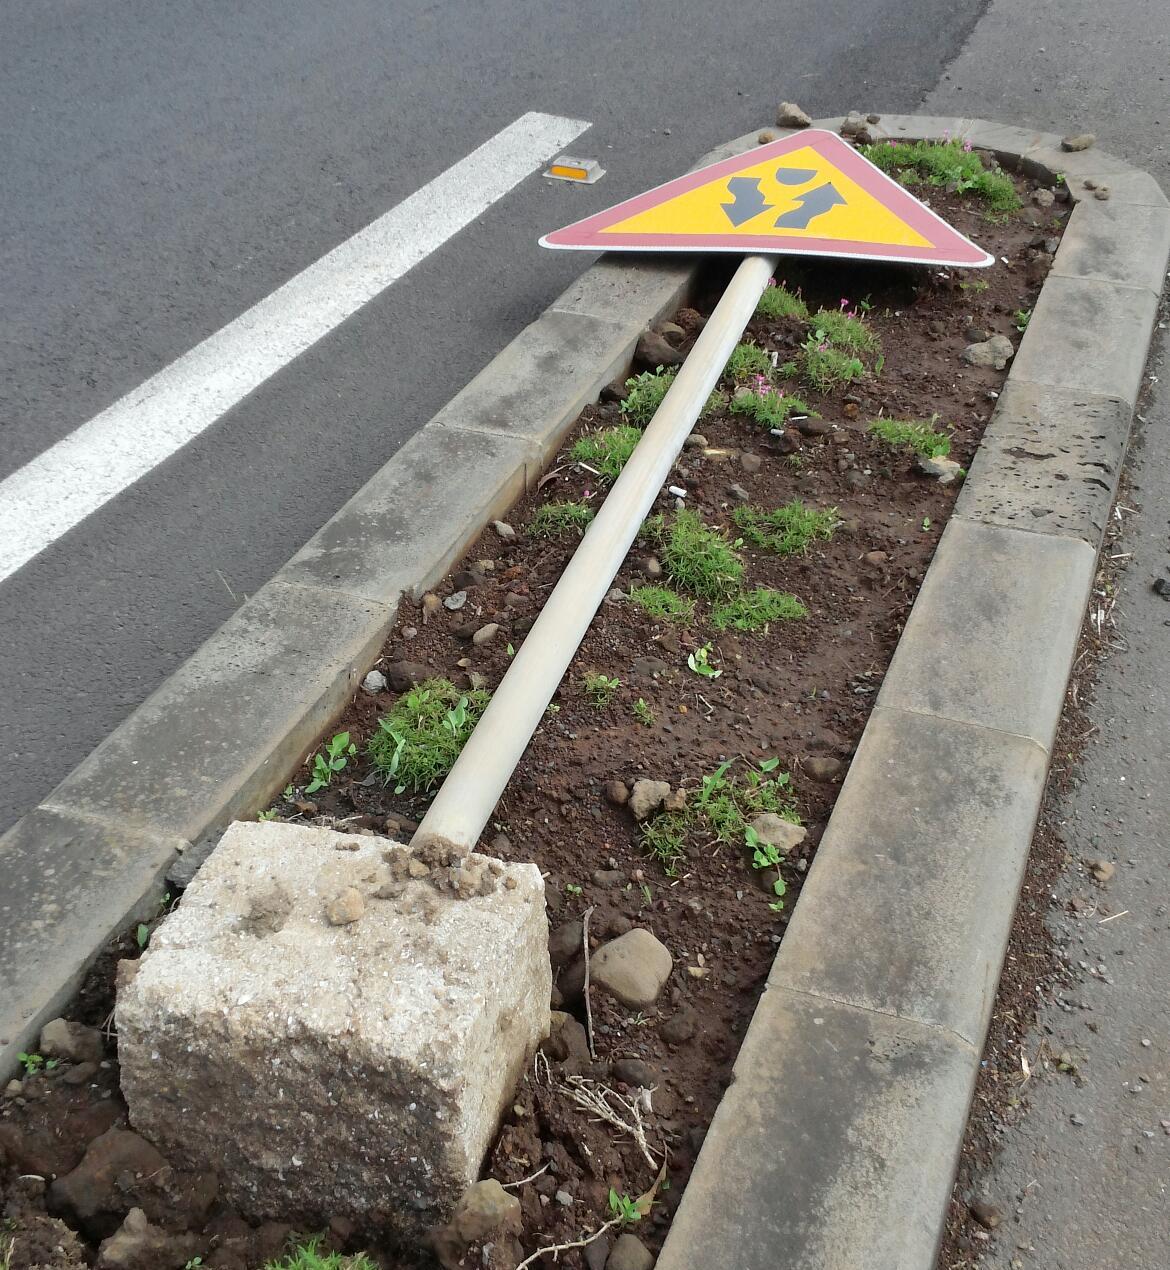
{"x": 138, "y": 1245}
{"x": 82, "y": 1074}
{"x": 995, "y": 352}
{"x": 486, "y": 1209}
{"x": 617, "y": 792}
{"x": 739, "y": 493}
{"x": 671, "y": 331}
{"x": 944, "y": 470}
{"x": 485, "y": 634}
{"x": 345, "y": 907}
{"x": 430, "y": 604}
{"x": 73, "y": 1042}
{"x": 855, "y": 479}
{"x": 678, "y": 1029}
{"x": 810, "y": 427}
{"x": 633, "y": 968}
{"x": 875, "y": 559}
{"x": 675, "y": 801}
{"x": 1103, "y": 870}
{"x": 766, "y": 136}
{"x": 852, "y": 124}
{"x": 987, "y": 1215}
{"x": 634, "y": 1072}
{"x": 564, "y": 1199}
{"x": 13, "y": 1089}
{"x": 630, "y": 1253}
{"x": 651, "y": 567}
{"x": 653, "y": 351}
{"x": 374, "y": 682}
{"x": 696, "y": 441}
{"x": 456, "y": 601}
{"x": 647, "y": 796}
{"x": 751, "y": 463}
{"x": 1043, "y": 197}
{"x": 477, "y": 680}
{"x": 1078, "y": 141}
{"x": 596, "y": 1253}
{"x": 1076, "y": 1119}
{"x": 873, "y": 118}
{"x": 503, "y": 530}
{"x": 824, "y": 770}
{"x": 777, "y": 832}
{"x": 790, "y": 115}
{"x": 1101, "y": 192}
{"x": 564, "y": 943}
{"x": 615, "y": 391}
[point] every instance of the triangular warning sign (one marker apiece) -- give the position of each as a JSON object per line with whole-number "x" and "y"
{"x": 810, "y": 194}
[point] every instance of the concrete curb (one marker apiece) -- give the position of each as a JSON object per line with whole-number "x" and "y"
{"x": 838, "y": 1139}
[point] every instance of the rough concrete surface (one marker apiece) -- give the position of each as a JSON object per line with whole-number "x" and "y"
{"x": 1094, "y": 1195}
{"x": 336, "y": 1063}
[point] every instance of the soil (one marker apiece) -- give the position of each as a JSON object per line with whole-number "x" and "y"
{"x": 796, "y": 691}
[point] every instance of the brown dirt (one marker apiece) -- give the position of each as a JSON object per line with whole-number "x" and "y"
{"x": 797, "y": 691}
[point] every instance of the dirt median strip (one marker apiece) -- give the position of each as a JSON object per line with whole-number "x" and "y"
{"x": 838, "y": 1139}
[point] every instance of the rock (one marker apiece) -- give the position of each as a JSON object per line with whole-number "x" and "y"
{"x": 651, "y": 567}
{"x": 647, "y": 797}
{"x": 995, "y": 352}
{"x": 824, "y": 770}
{"x": 1103, "y": 870}
{"x": 433, "y": 1002}
{"x": 671, "y": 331}
{"x": 750, "y": 463}
{"x": 873, "y": 118}
{"x": 345, "y": 907}
{"x": 485, "y": 634}
{"x": 82, "y": 1074}
{"x": 608, "y": 877}
{"x": 778, "y": 832}
{"x": 852, "y": 124}
{"x": 455, "y": 601}
{"x": 739, "y": 493}
{"x": 1078, "y": 141}
{"x": 596, "y": 1253}
{"x": 764, "y": 137}
{"x": 404, "y": 675}
{"x": 486, "y": 1212}
{"x": 503, "y": 530}
{"x": 633, "y": 968}
{"x": 14, "y": 1089}
{"x": 1043, "y": 197}
{"x": 137, "y": 1245}
{"x": 790, "y": 115}
{"x": 788, "y": 440}
{"x": 632, "y": 1071}
{"x": 568, "y": 1039}
{"x": 676, "y": 801}
{"x": 617, "y": 793}
{"x": 987, "y": 1215}
{"x": 615, "y": 391}
{"x": 1101, "y": 192}
{"x": 944, "y": 470}
{"x": 678, "y": 1029}
{"x": 431, "y": 604}
{"x": 564, "y": 1199}
{"x": 564, "y": 943}
{"x": 374, "y": 682}
{"x": 98, "y": 1183}
{"x": 653, "y": 351}
{"x": 855, "y": 479}
{"x": 875, "y": 559}
{"x": 630, "y": 1253}
{"x": 811, "y": 427}
{"x": 696, "y": 441}
{"x": 73, "y": 1042}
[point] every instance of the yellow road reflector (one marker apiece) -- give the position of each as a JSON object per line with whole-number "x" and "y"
{"x": 567, "y": 168}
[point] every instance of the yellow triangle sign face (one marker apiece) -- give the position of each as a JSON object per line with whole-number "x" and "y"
{"x": 808, "y": 194}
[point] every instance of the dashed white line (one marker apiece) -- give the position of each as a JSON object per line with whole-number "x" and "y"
{"x": 80, "y": 473}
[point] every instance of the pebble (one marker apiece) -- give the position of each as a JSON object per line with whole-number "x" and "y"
{"x": 653, "y": 350}
{"x": 456, "y": 601}
{"x": 995, "y": 352}
{"x": 617, "y": 792}
{"x": 944, "y": 470}
{"x": 485, "y": 634}
{"x": 739, "y": 493}
{"x": 564, "y": 1198}
{"x": 751, "y": 463}
{"x": 778, "y": 832}
{"x": 987, "y": 1215}
{"x": 852, "y": 124}
{"x": 678, "y": 1029}
{"x": 651, "y": 567}
{"x": 1043, "y": 197}
{"x": 1078, "y": 141}
{"x": 647, "y": 796}
{"x": 374, "y": 682}
{"x": 824, "y": 770}
{"x": 634, "y": 968}
{"x": 696, "y": 441}
{"x": 345, "y": 907}
{"x": 766, "y": 136}
{"x": 1101, "y": 192}
{"x": 637, "y": 1074}
{"x": 856, "y": 479}
{"x": 503, "y": 530}
{"x": 1103, "y": 870}
{"x": 431, "y": 604}
{"x": 13, "y": 1089}
{"x": 630, "y": 1253}
{"x": 790, "y": 115}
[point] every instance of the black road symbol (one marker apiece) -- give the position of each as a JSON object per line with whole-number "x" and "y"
{"x": 811, "y": 205}
{"x": 747, "y": 200}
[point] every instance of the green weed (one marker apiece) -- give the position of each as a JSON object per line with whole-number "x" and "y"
{"x": 653, "y": 528}
{"x": 787, "y": 529}
{"x": 845, "y": 330}
{"x": 623, "y": 1207}
{"x": 976, "y": 285}
{"x": 33, "y": 1063}
{"x": 665, "y": 837}
{"x": 328, "y": 762}
{"x": 766, "y": 856}
{"x": 600, "y": 688}
{"x": 700, "y": 559}
{"x": 663, "y": 604}
{"x": 778, "y": 302}
{"x": 700, "y": 662}
{"x": 728, "y": 805}
{"x": 767, "y": 406}
{"x": 943, "y": 163}
{"x": 917, "y": 435}
{"x": 307, "y": 1256}
{"x": 825, "y": 367}
{"x": 559, "y": 520}
{"x": 642, "y": 712}
{"x": 606, "y": 450}
{"x": 646, "y": 392}
{"x": 753, "y": 610}
{"x": 420, "y": 738}
{"x": 1021, "y": 318}
{"x": 747, "y": 361}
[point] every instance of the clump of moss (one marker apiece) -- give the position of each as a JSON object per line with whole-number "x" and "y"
{"x": 746, "y": 362}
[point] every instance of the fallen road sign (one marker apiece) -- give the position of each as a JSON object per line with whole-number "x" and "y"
{"x": 810, "y": 194}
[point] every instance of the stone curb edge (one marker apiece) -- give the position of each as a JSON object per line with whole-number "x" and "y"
{"x": 837, "y": 1142}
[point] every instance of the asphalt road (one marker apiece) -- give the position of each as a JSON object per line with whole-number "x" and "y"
{"x": 168, "y": 166}
{"x": 1083, "y": 1179}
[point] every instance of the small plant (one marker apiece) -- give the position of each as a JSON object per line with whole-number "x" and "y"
{"x": 844, "y": 329}
{"x": 753, "y": 610}
{"x": 269, "y": 814}
{"x": 623, "y": 1207}
{"x": 560, "y": 520}
{"x": 778, "y": 302}
{"x": 420, "y": 738}
{"x": 945, "y": 163}
{"x": 193, "y": 1264}
{"x": 307, "y": 1256}
{"x": 766, "y": 856}
{"x": 766, "y": 405}
{"x": 701, "y": 559}
{"x": 727, "y": 805}
{"x": 32, "y": 1063}
{"x": 917, "y": 435}
{"x": 977, "y": 285}
{"x": 142, "y": 935}
{"x": 653, "y": 528}
{"x": 1021, "y": 318}
{"x": 606, "y": 450}
{"x": 571, "y": 888}
{"x": 825, "y": 367}
{"x": 645, "y": 393}
{"x": 643, "y": 713}
{"x": 788, "y": 529}
{"x": 600, "y": 688}
{"x": 746, "y": 362}
{"x": 663, "y": 604}
{"x": 664, "y": 836}
{"x": 336, "y": 755}
{"x": 700, "y": 662}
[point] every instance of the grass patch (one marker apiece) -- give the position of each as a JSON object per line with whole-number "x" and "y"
{"x": 663, "y": 604}
{"x": 788, "y": 529}
{"x": 728, "y": 805}
{"x": 307, "y": 1256}
{"x": 700, "y": 559}
{"x": 825, "y": 367}
{"x": 653, "y": 528}
{"x": 665, "y": 837}
{"x": 845, "y": 331}
{"x": 559, "y": 520}
{"x": 642, "y": 712}
{"x": 747, "y": 361}
{"x": 607, "y": 450}
{"x": 418, "y": 741}
{"x": 599, "y": 688}
{"x": 645, "y": 394}
{"x": 753, "y": 610}
{"x": 778, "y": 302}
{"x": 945, "y": 163}
{"x": 768, "y": 407}
{"x": 917, "y": 435}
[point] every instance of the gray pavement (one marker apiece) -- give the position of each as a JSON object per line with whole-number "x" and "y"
{"x": 165, "y": 167}
{"x": 1083, "y": 1176}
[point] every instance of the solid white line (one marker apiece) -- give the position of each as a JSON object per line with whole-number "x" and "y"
{"x": 83, "y": 471}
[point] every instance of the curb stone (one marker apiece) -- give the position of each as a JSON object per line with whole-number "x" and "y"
{"x": 838, "y": 1139}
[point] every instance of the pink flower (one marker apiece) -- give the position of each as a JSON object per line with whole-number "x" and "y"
{"x": 771, "y": 282}
{"x": 966, "y": 147}
{"x": 947, "y": 135}
{"x": 844, "y": 303}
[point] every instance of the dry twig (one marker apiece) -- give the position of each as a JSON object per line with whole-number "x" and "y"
{"x": 588, "y": 1006}
{"x": 577, "y": 1243}
{"x": 608, "y": 1105}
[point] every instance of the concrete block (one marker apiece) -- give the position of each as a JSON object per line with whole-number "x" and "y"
{"x": 1088, "y": 336}
{"x": 924, "y": 853}
{"x": 925, "y": 127}
{"x": 1006, "y": 142}
{"x": 633, "y": 290}
{"x": 1049, "y": 462}
{"x": 1133, "y": 186}
{"x": 1047, "y": 160}
{"x": 834, "y": 1148}
{"x": 991, "y": 638}
{"x": 406, "y": 527}
{"x": 70, "y": 884}
{"x": 356, "y": 1069}
{"x": 537, "y": 386}
{"x": 223, "y": 732}
{"x": 1116, "y": 242}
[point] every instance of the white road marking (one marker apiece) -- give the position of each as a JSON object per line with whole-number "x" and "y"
{"x": 80, "y": 473}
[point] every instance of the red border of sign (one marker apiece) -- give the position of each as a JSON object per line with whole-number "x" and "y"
{"x": 950, "y": 248}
